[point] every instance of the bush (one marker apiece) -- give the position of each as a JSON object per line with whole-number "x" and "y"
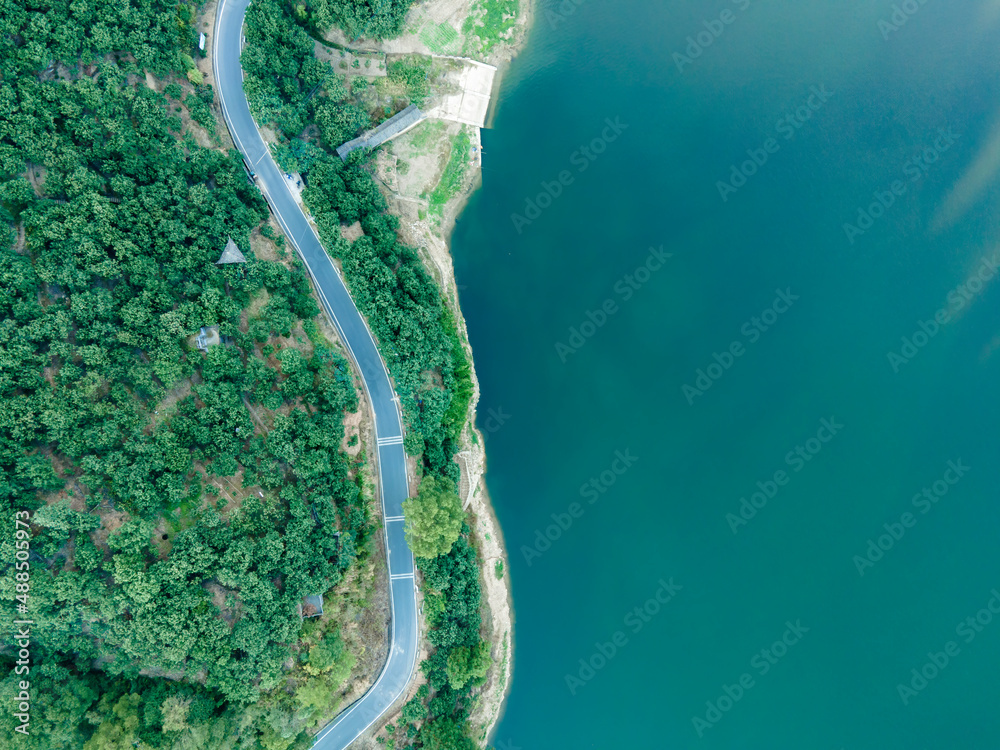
{"x": 412, "y": 72}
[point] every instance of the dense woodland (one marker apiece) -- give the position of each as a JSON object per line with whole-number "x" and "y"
{"x": 166, "y": 612}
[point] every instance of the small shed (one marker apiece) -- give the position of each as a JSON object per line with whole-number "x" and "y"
{"x": 231, "y": 254}
{"x": 311, "y": 606}
{"x": 201, "y": 41}
{"x": 208, "y": 336}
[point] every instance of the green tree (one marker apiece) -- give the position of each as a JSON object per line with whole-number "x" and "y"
{"x": 415, "y": 709}
{"x": 119, "y": 725}
{"x": 465, "y": 664}
{"x": 323, "y": 656}
{"x": 175, "y": 713}
{"x": 434, "y": 517}
{"x": 444, "y": 734}
{"x": 60, "y": 699}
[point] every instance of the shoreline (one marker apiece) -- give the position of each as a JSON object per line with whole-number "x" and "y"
{"x": 434, "y": 247}
{"x": 432, "y": 241}
{"x": 487, "y": 530}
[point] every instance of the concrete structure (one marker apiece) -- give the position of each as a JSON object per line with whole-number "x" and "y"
{"x": 208, "y": 336}
{"x": 311, "y": 606}
{"x": 231, "y": 254}
{"x": 388, "y": 130}
{"x": 472, "y": 102}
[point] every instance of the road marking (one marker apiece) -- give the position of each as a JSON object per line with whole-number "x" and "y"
{"x": 372, "y": 695}
{"x": 396, "y": 440}
{"x": 390, "y": 519}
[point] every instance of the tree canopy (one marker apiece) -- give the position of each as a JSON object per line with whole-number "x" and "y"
{"x": 183, "y": 502}
{"x": 434, "y": 517}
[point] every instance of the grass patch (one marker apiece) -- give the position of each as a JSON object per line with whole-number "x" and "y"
{"x": 489, "y": 22}
{"x": 426, "y": 132}
{"x": 440, "y": 39}
{"x": 454, "y": 419}
{"x": 451, "y": 180}
{"x": 413, "y": 74}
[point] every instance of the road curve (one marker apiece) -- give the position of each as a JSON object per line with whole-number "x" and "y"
{"x": 392, "y": 682}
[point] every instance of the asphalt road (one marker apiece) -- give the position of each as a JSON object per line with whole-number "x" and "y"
{"x": 395, "y": 676}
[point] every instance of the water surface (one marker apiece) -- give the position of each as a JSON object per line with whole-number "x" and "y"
{"x": 920, "y": 109}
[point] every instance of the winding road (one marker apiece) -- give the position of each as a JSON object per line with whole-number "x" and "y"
{"x": 337, "y": 302}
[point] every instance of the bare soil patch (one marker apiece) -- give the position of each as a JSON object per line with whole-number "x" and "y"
{"x": 168, "y": 404}
{"x": 219, "y": 594}
{"x": 111, "y": 521}
{"x": 352, "y": 232}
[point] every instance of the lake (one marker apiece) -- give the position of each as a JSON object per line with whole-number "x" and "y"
{"x": 731, "y": 281}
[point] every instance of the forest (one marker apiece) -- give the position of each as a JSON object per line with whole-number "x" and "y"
{"x": 166, "y": 608}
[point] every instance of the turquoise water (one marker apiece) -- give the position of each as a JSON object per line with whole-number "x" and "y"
{"x": 802, "y": 320}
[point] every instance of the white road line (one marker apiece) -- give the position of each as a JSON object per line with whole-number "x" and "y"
{"x": 373, "y": 691}
{"x": 394, "y": 518}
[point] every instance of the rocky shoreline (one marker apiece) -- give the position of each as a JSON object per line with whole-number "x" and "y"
{"x": 433, "y": 242}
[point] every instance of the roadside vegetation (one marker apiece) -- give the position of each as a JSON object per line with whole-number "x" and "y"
{"x": 185, "y": 502}
{"x": 376, "y": 19}
{"x": 418, "y": 336}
